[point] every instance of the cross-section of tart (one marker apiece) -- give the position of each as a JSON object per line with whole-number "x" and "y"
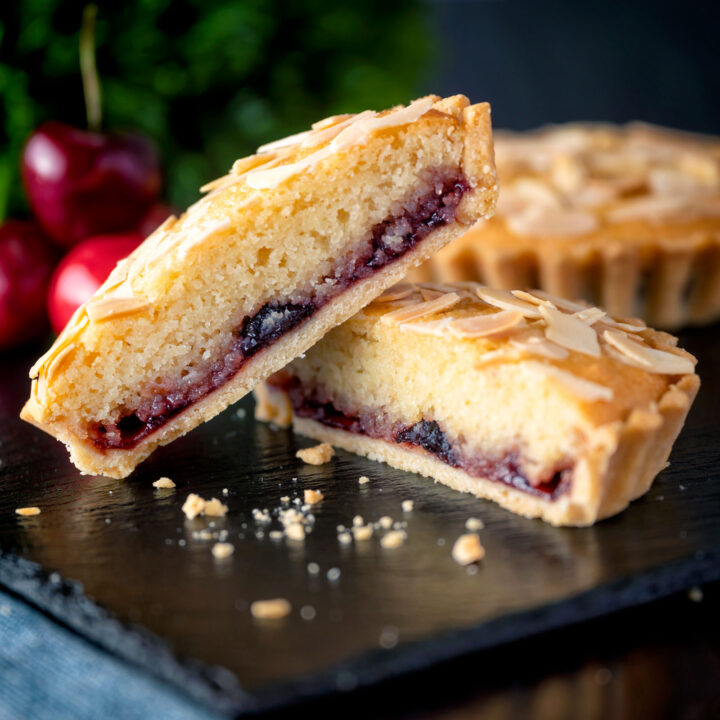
{"x": 293, "y": 241}
{"x": 626, "y": 217}
{"x": 551, "y": 408}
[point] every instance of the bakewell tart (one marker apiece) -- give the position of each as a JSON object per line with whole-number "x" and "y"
{"x": 553, "y": 409}
{"x": 293, "y": 241}
{"x": 626, "y": 217}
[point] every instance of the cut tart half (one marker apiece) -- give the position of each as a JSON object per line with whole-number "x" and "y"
{"x": 293, "y": 241}
{"x": 626, "y": 217}
{"x": 551, "y": 408}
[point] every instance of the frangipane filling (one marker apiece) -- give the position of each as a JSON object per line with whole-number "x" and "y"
{"x": 387, "y": 242}
{"x": 505, "y": 467}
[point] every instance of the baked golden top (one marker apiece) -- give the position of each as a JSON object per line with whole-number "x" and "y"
{"x": 581, "y": 180}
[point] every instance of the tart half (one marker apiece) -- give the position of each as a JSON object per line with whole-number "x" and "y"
{"x": 626, "y": 217}
{"x": 553, "y": 409}
{"x": 293, "y": 241}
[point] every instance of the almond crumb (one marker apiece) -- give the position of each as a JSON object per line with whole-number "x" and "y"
{"x": 312, "y": 497}
{"x": 164, "y": 483}
{"x": 363, "y": 532}
{"x": 214, "y": 508}
{"x": 393, "y": 539}
{"x": 358, "y": 521}
{"x": 363, "y": 480}
{"x": 474, "y": 524}
{"x": 408, "y": 505}
{"x": 468, "y": 549}
{"x": 345, "y": 538}
{"x": 285, "y": 499}
{"x": 386, "y": 522}
{"x": 295, "y": 531}
{"x": 222, "y": 550}
{"x": 27, "y": 511}
{"x": 193, "y": 506}
{"x": 317, "y": 455}
{"x": 270, "y": 609}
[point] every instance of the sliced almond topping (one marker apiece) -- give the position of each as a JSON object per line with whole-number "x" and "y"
{"x": 110, "y": 307}
{"x": 542, "y": 220}
{"x": 542, "y": 296}
{"x": 402, "y": 116}
{"x": 486, "y": 325}
{"x": 539, "y": 345}
{"x": 584, "y": 389}
{"x": 265, "y": 179}
{"x": 428, "y": 294}
{"x": 397, "y": 292}
{"x": 330, "y": 121}
{"x": 327, "y": 132}
{"x": 652, "y": 360}
{"x": 631, "y": 325}
{"x": 507, "y": 301}
{"x": 283, "y": 142}
{"x": 590, "y": 315}
{"x": 416, "y": 311}
{"x": 568, "y": 331}
{"x": 429, "y": 327}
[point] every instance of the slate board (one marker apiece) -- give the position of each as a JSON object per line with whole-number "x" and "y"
{"x": 153, "y": 594}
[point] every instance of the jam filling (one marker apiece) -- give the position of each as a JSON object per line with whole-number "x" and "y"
{"x": 389, "y": 240}
{"x": 427, "y": 434}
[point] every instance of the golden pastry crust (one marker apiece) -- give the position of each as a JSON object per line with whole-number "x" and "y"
{"x": 557, "y": 391}
{"x": 280, "y": 224}
{"x": 627, "y": 217}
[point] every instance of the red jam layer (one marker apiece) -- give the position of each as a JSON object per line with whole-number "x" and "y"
{"x": 389, "y": 240}
{"x": 427, "y": 434}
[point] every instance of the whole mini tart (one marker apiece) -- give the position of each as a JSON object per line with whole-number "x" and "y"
{"x": 293, "y": 241}
{"x": 626, "y": 217}
{"x": 551, "y": 408}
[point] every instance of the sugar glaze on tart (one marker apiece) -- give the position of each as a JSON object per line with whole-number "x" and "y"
{"x": 293, "y": 241}
{"x": 552, "y": 408}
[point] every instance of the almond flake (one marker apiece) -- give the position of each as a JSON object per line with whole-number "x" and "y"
{"x": 418, "y": 310}
{"x": 539, "y": 345}
{"x": 285, "y": 142}
{"x": 428, "y": 294}
{"x": 652, "y": 360}
{"x": 542, "y": 297}
{"x": 397, "y": 292}
{"x": 430, "y": 327}
{"x": 486, "y": 325}
{"x": 590, "y": 315}
{"x": 568, "y": 331}
{"x": 584, "y": 389}
{"x": 507, "y": 301}
{"x": 101, "y": 309}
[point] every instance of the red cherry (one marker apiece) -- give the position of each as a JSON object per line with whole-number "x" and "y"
{"x": 26, "y": 262}
{"x": 83, "y": 270}
{"x": 83, "y": 183}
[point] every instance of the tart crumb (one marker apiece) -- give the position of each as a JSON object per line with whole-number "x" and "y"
{"x": 274, "y": 609}
{"x": 393, "y": 539}
{"x": 317, "y": 455}
{"x": 695, "y": 594}
{"x": 164, "y": 483}
{"x": 214, "y": 508}
{"x": 363, "y": 480}
{"x": 385, "y": 522}
{"x": 295, "y": 531}
{"x": 358, "y": 521}
{"x": 408, "y": 505}
{"x": 285, "y": 499}
{"x": 312, "y": 497}
{"x": 474, "y": 524}
{"x": 344, "y": 538}
{"x": 222, "y": 550}
{"x": 363, "y": 532}
{"x": 27, "y": 511}
{"x": 193, "y": 506}
{"x": 468, "y": 549}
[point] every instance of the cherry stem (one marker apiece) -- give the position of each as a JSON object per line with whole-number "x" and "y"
{"x": 88, "y": 69}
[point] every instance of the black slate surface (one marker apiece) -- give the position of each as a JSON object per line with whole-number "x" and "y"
{"x": 159, "y": 599}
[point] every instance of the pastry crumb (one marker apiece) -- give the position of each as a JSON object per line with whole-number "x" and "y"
{"x": 193, "y": 506}
{"x": 358, "y": 521}
{"x": 27, "y": 511}
{"x": 474, "y": 524}
{"x": 222, "y": 550}
{"x": 275, "y": 534}
{"x": 295, "y": 531}
{"x": 164, "y": 483}
{"x": 344, "y": 538}
{"x": 363, "y": 480}
{"x": 363, "y": 532}
{"x": 317, "y": 455}
{"x": 393, "y": 539}
{"x": 695, "y": 594}
{"x": 385, "y": 522}
{"x": 313, "y": 568}
{"x": 214, "y": 508}
{"x": 274, "y": 609}
{"x": 312, "y": 497}
{"x": 408, "y": 505}
{"x": 285, "y": 499}
{"x": 468, "y": 549}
